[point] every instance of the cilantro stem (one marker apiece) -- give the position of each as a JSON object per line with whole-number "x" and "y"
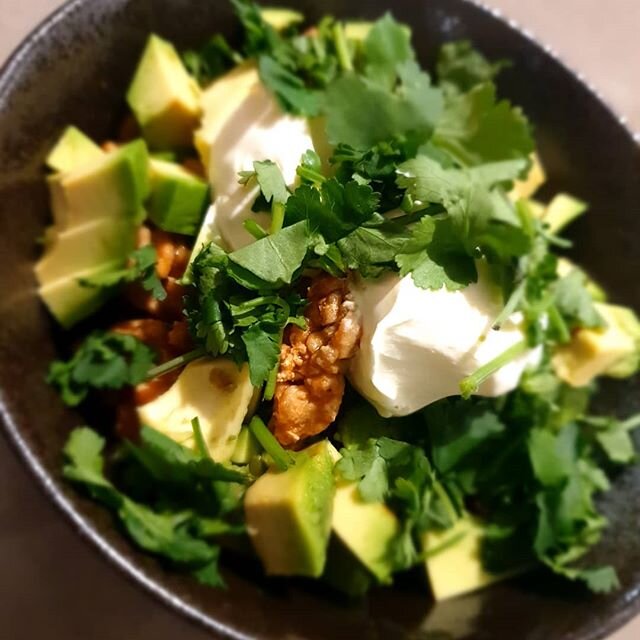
{"x": 557, "y": 322}
{"x": 201, "y": 445}
{"x": 282, "y": 458}
{"x": 180, "y": 361}
{"x": 444, "y": 545}
{"x": 310, "y": 175}
{"x": 255, "y": 229}
{"x": 470, "y": 384}
{"x": 277, "y": 217}
{"x": 270, "y": 387}
{"x": 632, "y": 423}
{"x": 511, "y": 305}
{"x": 342, "y": 47}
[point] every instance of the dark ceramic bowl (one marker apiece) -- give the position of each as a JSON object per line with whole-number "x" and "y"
{"x": 74, "y": 69}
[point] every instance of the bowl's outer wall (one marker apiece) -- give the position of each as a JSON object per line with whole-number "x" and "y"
{"x": 76, "y": 71}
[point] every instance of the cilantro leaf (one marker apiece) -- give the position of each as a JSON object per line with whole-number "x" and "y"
{"x": 334, "y": 210}
{"x": 271, "y": 182}
{"x": 103, "y": 361}
{"x": 167, "y": 535}
{"x": 476, "y": 128}
{"x": 435, "y": 257}
{"x": 210, "y": 61}
{"x": 271, "y": 261}
{"x": 573, "y": 300}
{"x": 141, "y": 266}
{"x": 361, "y": 113}
{"x": 461, "y": 67}
{"x": 369, "y": 250}
{"x": 289, "y": 88}
{"x": 387, "y": 45}
{"x": 263, "y": 351}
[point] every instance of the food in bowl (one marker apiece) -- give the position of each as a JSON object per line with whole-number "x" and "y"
{"x": 339, "y": 325}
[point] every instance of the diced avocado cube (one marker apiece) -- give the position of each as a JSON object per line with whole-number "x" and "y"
{"x": 562, "y": 211}
{"x": 357, "y": 30}
{"x": 85, "y": 247}
{"x": 613, "y": 350}
{"x": 288, "y": 514}
{"x": 73, "y": 150}
{"x": 217, "y": 392}
{"x": 246, "y": 447}
{"x": 454, "y": 562}
{"x": 178, "y": 198}
{"x": 344, "y": 572}
{"x": 527, "y": 187}
{"x": 365, "y": 528}
{"x": 164, "y": 97}
{"x": 113, "y": 186}
{"x": 281, "y": 19}
{"x": 69, "y": 301}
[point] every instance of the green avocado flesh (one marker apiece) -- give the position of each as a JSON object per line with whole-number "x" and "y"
{"x": 73, "y": 150}
{"x": 164, "y": 98}
{"x": 288, "y": 514}
{"x": 97, "y": 200}
{"x": 113, "y": 186}
{"x": 178, "y": 198}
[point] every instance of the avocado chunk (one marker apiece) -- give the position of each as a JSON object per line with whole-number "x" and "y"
{"x": 366, "y": 529}
{"x": 217, "y": 392}
{"x": 357, "y": 31}
{"x": 562, "y": 211}
{"x": 454, "y": 563}
{"x": 73, "y": 150}
{"x": 70, "y": 302}
{"x": 288, "y": 514}
{"x": 246, "y": 447}
{"x": 344, "y": 572}
{"x": 527, "y": 187}
{"x": 113, "y": 186}
{"x": 164, "y": 97}
{"x": 178, "y": 198}
{"x": 281, "y": 19}
{"x": 220, "y": 101}
{"x": 612, "y": 351}
{"x": 85, "y": 247}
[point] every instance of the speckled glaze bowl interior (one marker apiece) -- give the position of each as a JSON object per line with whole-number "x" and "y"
{"x": 74, "y": 69}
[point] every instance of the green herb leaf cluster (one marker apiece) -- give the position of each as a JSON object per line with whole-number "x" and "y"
{"x": 239, "y": 303}
{"x": 103, "y": 361}
{"x": 141, "y": 266}
{"x": 182, "y": 508}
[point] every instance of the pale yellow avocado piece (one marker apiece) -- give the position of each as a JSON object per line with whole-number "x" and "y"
{"x": 288, "y": 514}
{"x": 357, "y": 30}
{"x": 72, "y": 150}
{"x": 115, "y": 185}
{"x": 562, "y": 211}
{"x": 217, "y": 392}
{"x": 527, "y": 187}
{"x": 457, "y": 568}
{"x": 281, "y": 19}
{"x": 85, "y": 247}
{"x": 220, "y": 101}
{"x": 365, "y": 528}
{"x": 613, "y": 350}
{"x": 69, "y": 301}
{"x": 164, "y": 97}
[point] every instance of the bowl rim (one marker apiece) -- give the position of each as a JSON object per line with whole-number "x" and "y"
{"x": 53, "y": 488}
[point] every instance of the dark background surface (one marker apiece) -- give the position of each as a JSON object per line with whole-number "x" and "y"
{"x": 54, "y": 585}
